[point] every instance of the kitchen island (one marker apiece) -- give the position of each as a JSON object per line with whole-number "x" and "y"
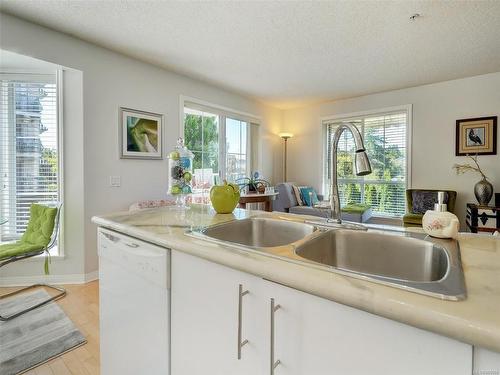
{"x": 457, "y": 329}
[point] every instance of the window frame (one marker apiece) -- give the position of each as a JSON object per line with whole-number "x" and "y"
{"x": 58, "y": 251}
{"x": 223, "y": 113}
{"x": 324, "y": 121}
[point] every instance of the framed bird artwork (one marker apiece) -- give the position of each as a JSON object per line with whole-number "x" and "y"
{"x": 476, "y": 136}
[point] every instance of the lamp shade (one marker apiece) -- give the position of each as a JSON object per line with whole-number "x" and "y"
{"x": 285, "y": 135}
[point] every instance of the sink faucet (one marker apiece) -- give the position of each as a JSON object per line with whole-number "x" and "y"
{"x": 361, "y": 162}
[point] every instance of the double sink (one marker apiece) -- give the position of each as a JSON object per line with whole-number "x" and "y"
{"x": 410, "y": 261}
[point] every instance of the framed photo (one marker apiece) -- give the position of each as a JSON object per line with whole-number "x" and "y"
{"x": 141, "y": 134}
{"x": 476, "y": 136}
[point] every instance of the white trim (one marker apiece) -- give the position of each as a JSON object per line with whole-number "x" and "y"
{"x": 21, "y": 75}
{"x": 49, "y": 279}
{"x": 370, "y": 112}
{"x": 249, "y": 117}
{"x": 409, "y": 148}
{"x": 60, "y": 156}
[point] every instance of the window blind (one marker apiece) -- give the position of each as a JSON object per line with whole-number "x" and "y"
{"x": 385, "y": 142}
{"x": 29, "y": 152}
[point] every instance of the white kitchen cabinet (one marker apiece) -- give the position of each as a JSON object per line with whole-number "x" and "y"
{"x": 205, "y": 319}
{"x": 486, "y": 362}
{"x": 312, "y": 336}
{"x": 317, "y": 336}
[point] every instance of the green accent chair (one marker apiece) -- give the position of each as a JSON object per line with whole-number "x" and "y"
{"x": 414, "y": 219}
{"x": 40, "y": 236}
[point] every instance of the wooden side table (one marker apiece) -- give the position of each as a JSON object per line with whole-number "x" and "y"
{"x": 265, "y": 198}
{"x": 482, "y": 218}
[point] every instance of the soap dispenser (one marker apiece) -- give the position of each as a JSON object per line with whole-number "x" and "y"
{"x": 439, "y": 222}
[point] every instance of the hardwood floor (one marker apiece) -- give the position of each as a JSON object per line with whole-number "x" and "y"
{"x": 81, "y": 304}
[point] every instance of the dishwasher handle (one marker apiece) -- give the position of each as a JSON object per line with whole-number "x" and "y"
{"x": 138, "y": 250}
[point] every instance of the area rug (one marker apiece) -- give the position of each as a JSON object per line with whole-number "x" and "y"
{"x": 35, "y": 337}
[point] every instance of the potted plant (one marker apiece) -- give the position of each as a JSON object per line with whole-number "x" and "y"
{"x": 253, "y": 182}
{"x": 483, "y": 190}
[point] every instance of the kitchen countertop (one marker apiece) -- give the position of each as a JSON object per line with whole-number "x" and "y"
{"x": 475, "y": 320}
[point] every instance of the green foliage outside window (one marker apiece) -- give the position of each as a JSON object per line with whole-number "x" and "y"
{"x": 201, "y": 135}
{"x": 388, "y": 165}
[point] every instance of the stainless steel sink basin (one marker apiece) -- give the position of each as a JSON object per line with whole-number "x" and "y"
{"x": 259, "y": 232}
{"x": 378, "y": 254}
{"x": 408, "y": 261}
{"x": 429, "y": 267}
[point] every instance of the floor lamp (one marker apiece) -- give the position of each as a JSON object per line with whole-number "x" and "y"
{"x": 285, "y": 137}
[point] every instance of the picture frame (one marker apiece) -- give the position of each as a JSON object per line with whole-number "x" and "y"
{"x": 476, "y": 136}
{"x": 141, "y": 134}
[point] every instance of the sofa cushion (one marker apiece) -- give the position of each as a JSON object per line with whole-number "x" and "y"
{"x": 286, "y": 197}
{"x": 305, "y": 210}
{"x": 423, "y": 200}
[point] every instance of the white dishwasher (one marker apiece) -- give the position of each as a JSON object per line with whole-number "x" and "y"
{"x": 134, "y": 297}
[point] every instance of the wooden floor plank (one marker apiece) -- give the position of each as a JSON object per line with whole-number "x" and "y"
{"x": 58, "y": 367}
{"x": 44, "y": 370}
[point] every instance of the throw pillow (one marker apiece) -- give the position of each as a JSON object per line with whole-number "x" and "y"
{"x": 296, "y": 192}
{"x": 309, "y": 196}
{"x": 424, "y": 200}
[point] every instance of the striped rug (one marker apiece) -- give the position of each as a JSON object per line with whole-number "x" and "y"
{"x": 35, "y": 337}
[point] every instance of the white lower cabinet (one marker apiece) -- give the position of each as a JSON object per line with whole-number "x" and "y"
{"x": 319, "y": 337}
{"x": 486, "y": 362}
{"x": 205, "y": 319}
{"x": 310, "y": 335}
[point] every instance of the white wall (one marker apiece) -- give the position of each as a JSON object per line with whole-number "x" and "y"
{"x": 436, "y": 107}
{"x": 111, "y": 80}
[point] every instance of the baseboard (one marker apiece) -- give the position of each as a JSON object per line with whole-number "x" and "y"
{"x": 49, "y": 279}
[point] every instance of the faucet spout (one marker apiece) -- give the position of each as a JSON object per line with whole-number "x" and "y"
{"x": 361, "y": 161}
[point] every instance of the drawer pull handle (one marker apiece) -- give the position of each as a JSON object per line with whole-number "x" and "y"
{"x": 241, "y": 343}
{"x": 274, "y": 363}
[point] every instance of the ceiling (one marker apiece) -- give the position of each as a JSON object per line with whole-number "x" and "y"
{"x": 289, "y": 53}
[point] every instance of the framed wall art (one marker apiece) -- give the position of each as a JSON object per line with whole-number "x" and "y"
{"x": 141, "y": 134}
{"x": 476, "y": 136}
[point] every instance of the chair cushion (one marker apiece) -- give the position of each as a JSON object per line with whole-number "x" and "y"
{"x": 413, "y": 219}
{"x": 40, "y": 226}
{"x": 357, "y": 208}
{"x": 18, "y": 248}
{"x": 308, "y": 194}
{"x": 424, "y": 200}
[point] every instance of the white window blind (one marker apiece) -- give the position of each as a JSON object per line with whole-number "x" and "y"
{"x": 385, "y": 142}
{"x": 29, "y": 152}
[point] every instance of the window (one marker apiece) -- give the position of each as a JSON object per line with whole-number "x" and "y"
{"x": 29, "y": 148}
{"x": 385, "y": 139}
{"x": 221, "y": 144}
